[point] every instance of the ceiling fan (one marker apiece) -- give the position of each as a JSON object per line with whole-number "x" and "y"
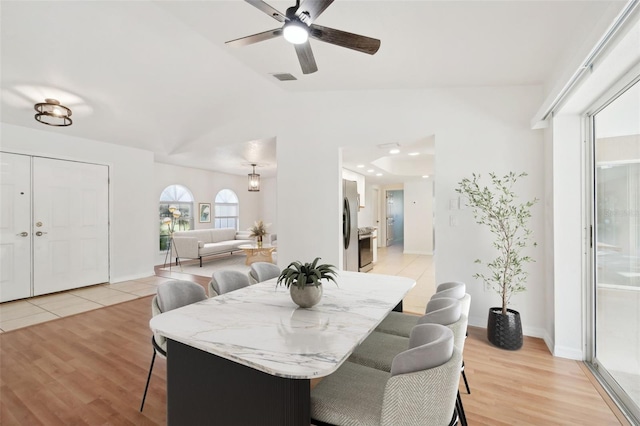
{"x": 298, "y": 27}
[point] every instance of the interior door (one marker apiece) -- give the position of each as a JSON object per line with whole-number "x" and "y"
{"x": 15, "y": 226}
{"x": 71, "y": 229}
{"x": 389, "y": 221}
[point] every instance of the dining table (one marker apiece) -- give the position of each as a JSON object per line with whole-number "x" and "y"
{"x": 248, "y": 357}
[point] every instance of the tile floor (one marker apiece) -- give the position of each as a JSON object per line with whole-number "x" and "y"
{"x": 392, "y": 261}
{"x": 22, "y": 313}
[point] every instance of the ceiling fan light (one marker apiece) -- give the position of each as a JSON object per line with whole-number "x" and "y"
{"x": 295, "y": 32}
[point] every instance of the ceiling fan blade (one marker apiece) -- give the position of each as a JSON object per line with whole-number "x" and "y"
{"x": 314, "y": 8}
{"x": 267, "y": 9}
{"x": 305, "y": 56}
{"x": 344, "y": 39}
{"x": 255, "y": 38}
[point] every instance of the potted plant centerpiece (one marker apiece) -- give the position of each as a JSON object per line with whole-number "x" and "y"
{"x": 259, "y": 230}
{"x": 496, "y": 207}
{"x": 304, "y": 281}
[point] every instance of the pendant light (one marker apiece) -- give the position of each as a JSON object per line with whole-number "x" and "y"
{"x": 254, "y": 180}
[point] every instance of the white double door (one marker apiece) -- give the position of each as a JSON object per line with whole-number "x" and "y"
{"x": 54, "y": 225}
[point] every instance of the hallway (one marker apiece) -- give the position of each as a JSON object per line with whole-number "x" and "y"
{"x": 392, "y": 261}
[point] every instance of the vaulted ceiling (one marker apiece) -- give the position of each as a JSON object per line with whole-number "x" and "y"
{"x": 157, "y": 75}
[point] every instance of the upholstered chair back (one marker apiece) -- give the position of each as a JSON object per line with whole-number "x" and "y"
{"x": 424, "y": 380}
{"x": 444, "y": 311}
{"x": 263, "y": 271}
{"x": 225, "y": 281}
{"x": 430, "y": 345}
{"x": 173, "y": 295}
{"x": 453, "y": 289}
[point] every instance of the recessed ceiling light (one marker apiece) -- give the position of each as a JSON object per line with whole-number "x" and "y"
{"x": 394, "y": 151}
{"x": 360, "y": 166}
{"x": 378, "y": 174}
{"x": 414, "y": 153}
{"x": 370, "y": 170}
{"x": 425, "y": 176}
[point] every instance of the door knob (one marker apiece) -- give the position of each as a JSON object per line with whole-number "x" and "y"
{"x": 23, "y": 234}
{"x": 40, "y": 233}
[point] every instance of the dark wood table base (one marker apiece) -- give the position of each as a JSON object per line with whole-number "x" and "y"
{"x": 203, "y": 388}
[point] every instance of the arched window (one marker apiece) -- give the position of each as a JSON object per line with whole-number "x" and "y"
{"x": 226, "y": 210}
{"x": 176, "y": 198}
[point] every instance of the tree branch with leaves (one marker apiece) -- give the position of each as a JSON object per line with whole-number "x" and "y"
{"x": 496, "y": 207}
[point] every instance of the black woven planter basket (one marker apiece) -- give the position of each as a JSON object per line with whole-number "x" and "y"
{"x": 504, "y": 331}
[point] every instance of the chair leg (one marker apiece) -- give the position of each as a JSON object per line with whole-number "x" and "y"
{"x": 460, "y": 408}
{"x": 464, "y": 377}
{"x": 454, "y": 418}
{"x": 144, "y": 396}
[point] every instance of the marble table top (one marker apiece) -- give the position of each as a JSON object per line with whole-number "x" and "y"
{"x": 259, "y": 326}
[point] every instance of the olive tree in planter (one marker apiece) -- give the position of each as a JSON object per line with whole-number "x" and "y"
{"x": 496, "y": 207}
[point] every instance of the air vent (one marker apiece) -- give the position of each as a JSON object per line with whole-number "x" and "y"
{"x": 284, "y": 77}
{"x": 388, "y": 145}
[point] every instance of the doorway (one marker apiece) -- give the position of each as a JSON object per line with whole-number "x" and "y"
{"x": 55, "y": 225}
{"x": 616, "y": 246}
{"x": 394, "y": 219}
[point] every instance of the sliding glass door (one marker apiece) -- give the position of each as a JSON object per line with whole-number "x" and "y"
{"x": 616, "y": 245}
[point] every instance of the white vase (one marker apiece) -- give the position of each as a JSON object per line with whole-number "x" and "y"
{"x": 307, "y": 296}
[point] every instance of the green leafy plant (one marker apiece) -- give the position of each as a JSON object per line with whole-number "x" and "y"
{"x": 304, "y": 274}
{"x": 507, "y": 220}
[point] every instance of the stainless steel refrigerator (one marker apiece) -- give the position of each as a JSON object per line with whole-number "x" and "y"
{"x": 350, "y": 225}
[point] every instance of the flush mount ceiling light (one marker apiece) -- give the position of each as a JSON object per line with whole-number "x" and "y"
{"x": 254, "y": 180}
{"x": 394, "y": 151}
{"x": 51, "y": 113}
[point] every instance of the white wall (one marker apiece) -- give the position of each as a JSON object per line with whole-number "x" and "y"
{"x": 205, "y": 184}
{"x": 548, "y": 250}
{"x": 568, "y": 240}
{"x": 131, "y": 192}
{"x": 309, "y": 200}
{"x": 366, "y": 214}
{"x": 269, "y": 206}
{"x": 478, "y": 130}
{"x": 418, "y": 217}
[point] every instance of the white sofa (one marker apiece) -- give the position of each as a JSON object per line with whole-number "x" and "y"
{"x": 198, "y": 243}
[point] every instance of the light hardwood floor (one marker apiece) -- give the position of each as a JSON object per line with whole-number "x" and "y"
{"x": 91, "y": 369}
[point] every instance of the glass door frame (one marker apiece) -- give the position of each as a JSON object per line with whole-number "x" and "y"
{"x": 615, "y": 391}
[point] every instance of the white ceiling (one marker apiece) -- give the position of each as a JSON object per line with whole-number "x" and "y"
{"x": 157, "y": 75}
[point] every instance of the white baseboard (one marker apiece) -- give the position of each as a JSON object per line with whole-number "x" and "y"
{"x": 114, "y": 280}
{"x": 548, "y": 341}
{"x": 527, "y": 331}
{"x": 559, "y": 351}
{"x": 478, "y": 322}
{"x": 534, "y": 332}
{"x": 566, "y": 352}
